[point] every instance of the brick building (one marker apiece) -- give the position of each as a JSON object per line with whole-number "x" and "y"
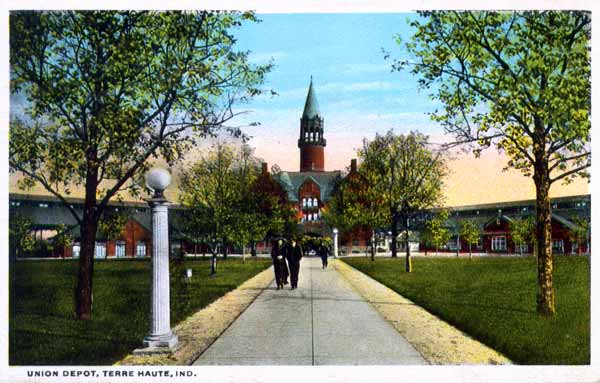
{"x": 494, "y": 221}
{"x": 48, "y": 215}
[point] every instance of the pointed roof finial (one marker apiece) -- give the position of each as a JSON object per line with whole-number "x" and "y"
{"x": 311, "y": 107}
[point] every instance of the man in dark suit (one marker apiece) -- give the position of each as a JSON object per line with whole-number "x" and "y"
{"x": 323, "y": 252}
{"x": 293, "y": 255}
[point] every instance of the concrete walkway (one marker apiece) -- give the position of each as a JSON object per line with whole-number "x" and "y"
{"x": 323, "y": 322}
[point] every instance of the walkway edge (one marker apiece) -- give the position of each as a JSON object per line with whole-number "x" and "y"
{"x": 200, "y": 330}
{"x": 438, "y": 341}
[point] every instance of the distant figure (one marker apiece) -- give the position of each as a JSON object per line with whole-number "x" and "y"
{"x": 279, "y": 264}
{"x": 294, "y": 255}
{"x": 323, "y": 252}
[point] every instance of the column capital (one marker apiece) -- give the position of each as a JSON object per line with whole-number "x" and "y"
{"x": 158, "y": 202}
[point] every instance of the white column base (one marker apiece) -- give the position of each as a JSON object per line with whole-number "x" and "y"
{"x": 158, "y": 344}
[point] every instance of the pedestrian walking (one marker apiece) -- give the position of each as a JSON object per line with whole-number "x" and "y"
{"x": 323, "y": 252}
{"x": 294, "y": 255}
{"x": 279, "y": 264}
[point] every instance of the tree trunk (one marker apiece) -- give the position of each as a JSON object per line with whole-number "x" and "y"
{"x": 470, "y": 252}
{"x": 521, "y": 249}
{"x": 394, "y": 234}
{"x": 545, "y": 295}
{"x": 373, "y": 246}
{"x": 213, "y": 264}
{"x": 407, "y": 241}
{"x": 83, "y": 293}
{"x": 253, "y": 248}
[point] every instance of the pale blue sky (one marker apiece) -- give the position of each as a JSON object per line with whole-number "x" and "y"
{"x": 357, "y": 93}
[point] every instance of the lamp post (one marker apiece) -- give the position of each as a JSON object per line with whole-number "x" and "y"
{"x": 335, "y": 242}
{"x": 161, "y": 338}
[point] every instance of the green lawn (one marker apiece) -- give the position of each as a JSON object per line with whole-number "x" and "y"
{"x": 494, "y": 300}
{"x": 42, "y": 330}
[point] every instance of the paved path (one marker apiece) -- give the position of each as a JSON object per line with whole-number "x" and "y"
{"x": 323, "y": 322}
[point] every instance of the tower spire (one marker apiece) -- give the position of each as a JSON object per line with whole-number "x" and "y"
{"x": 311, "y": 141}
{"x": 311, "y": 106}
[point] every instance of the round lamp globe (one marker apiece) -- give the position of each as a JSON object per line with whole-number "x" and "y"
{"x": 158, "y": 179}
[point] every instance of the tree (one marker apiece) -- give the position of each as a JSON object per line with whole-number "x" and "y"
{"x": 272, "y": 214}
{"x": 470, "y": 232}
{"x": 63, "y": 237}
{"x": 209, "y": 190}
{"x": 112, "y": 226}
{"x": 107, "y": 91}
{"x": 438, "y": 232}
{"x": 581, "y": 232}
{"x": 19, "y": 236}
{"x": 519, "y": 81}
{"x": 522, "y": 231}
{"x": 355, "y": 204}
{"x": 407, "y": 177}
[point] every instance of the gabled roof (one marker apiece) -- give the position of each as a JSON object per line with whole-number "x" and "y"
{"x": 565, "y": 222}
{"x": 311, "y": 106}
{"x": 291, "y": 182}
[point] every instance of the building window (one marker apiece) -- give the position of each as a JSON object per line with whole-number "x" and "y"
{"x": 479, "y": 244}
{"x": 574, "y": 247}
{"x": 140, "y": 249}
{"x": 558, "y": 246}
{"x": 304, "y": 202}
{"x": 451, "y": 245}
{"x": 100, "y": 250}
{"x": 15, "y": 203}
{"x": 499, "y": 243}
{"x": 43, "y": 205}
{"x": 76, "y": 249}
{"x": 310, "y": 202}
{"x": 120, "y": 249}
{"x": 521, "y": 248}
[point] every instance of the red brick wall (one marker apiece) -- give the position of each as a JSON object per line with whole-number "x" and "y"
{"x": 312, "y": 158}
{"x": 133, "y": 233}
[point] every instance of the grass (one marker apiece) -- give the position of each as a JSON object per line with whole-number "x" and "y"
{"x": 494, "y": 300}
{"x": 42, "y": 330}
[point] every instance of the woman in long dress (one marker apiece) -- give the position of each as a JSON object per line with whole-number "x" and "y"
{"x": 279, "y": 264}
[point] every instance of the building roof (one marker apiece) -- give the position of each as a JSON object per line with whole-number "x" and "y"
{"x": 530, "y": 202}
{"x": 291, "y": 182}
{"x": 311, "y": 106}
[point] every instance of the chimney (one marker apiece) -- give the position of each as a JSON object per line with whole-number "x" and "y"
{"x": 265, "y": 168}
{"x": 353, "y": 165}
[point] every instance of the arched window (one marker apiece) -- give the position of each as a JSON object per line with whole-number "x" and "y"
{"x": 315, "y": 202}
{"x": 304, "y": 202}
{"x": 309, "y": 202}
{"x": 312, "y": 136}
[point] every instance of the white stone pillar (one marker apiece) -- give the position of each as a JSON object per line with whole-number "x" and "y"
{"x": 161, "y": 337}
{"x": 335, "y": 242}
